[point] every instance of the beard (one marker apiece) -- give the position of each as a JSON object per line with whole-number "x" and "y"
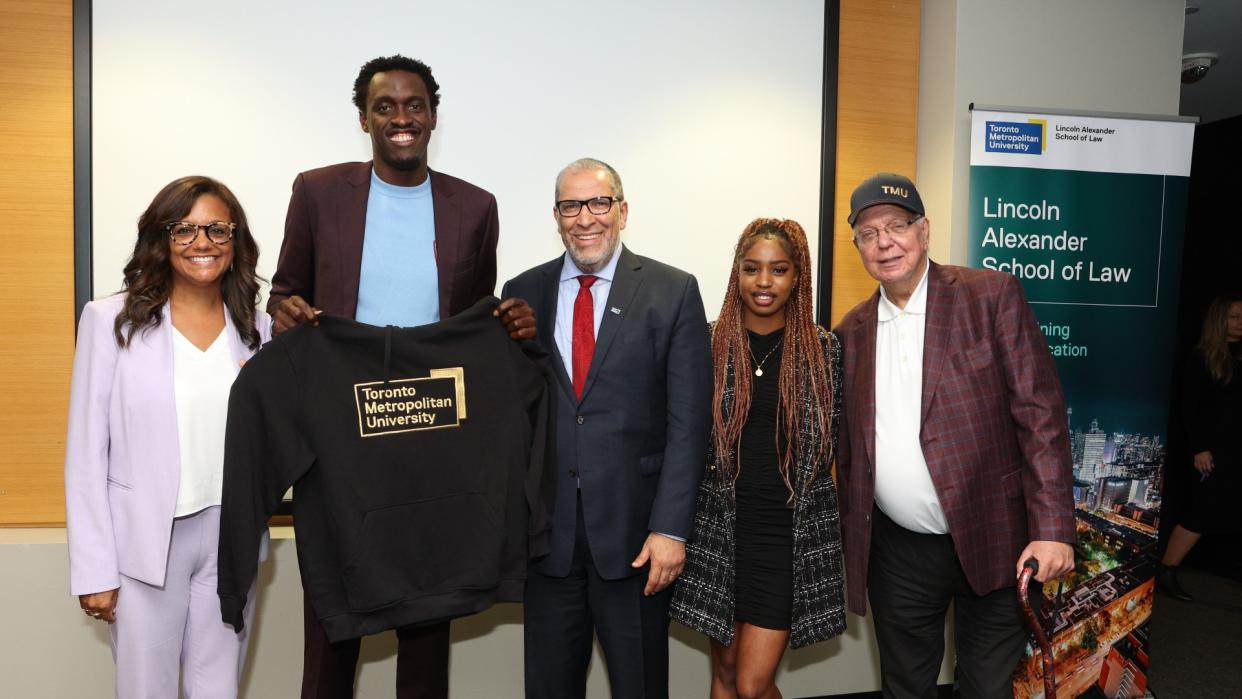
{"x": 592, "y": 261}
{"x": 397, "y": 158}
{"x": 410, "y": 163}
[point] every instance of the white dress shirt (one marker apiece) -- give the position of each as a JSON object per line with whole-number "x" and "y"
{"x": 903, "y": 485}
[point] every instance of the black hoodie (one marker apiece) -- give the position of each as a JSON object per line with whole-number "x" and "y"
{"x": 421, "y": 463}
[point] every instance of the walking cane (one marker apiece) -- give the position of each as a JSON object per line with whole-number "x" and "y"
{"x": 1029, "y": 568}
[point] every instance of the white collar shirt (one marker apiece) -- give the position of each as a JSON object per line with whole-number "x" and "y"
{"x": 903, "y": 484}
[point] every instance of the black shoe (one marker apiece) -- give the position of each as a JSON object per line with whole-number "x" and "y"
{"x": 1168, "y": 584}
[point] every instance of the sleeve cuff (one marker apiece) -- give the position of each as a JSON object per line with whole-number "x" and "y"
{"x": 231, "y": 612}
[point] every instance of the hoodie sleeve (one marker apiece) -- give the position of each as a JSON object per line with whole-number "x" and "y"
{"x": 264, "y": 453}
{"x": 540, "y": 484}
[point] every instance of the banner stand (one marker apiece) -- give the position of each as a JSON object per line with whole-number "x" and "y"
{"x": 1088, "y": 211}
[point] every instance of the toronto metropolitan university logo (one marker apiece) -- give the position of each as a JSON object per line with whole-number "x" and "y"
{"x": 433, "y": 402}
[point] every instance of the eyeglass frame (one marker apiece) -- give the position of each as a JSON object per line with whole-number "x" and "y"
{"x": 885, "y": 229}
{"x": 587, "y": 204}
{"x": 200, "y": 229}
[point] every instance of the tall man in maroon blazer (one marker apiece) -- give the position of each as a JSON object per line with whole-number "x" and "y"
{"x": 388, "y": 242}
{"x": 954, "y": 453}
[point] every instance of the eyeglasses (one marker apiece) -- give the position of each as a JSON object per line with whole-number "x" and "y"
{"x": 185, "y": 233}
{"x": 598, "y": 206}
{"x": 895, "y": 229}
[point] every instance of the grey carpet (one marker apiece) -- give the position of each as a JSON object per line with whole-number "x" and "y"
{"x": 1196, "y": 647}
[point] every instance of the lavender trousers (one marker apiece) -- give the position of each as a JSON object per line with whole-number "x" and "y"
{"x": 162, "y": 633}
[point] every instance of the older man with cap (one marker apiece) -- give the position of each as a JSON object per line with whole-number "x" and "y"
{"x": 954, "y": 458}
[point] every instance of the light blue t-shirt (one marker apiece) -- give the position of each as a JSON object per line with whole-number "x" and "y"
{"x": 399, "y": 283}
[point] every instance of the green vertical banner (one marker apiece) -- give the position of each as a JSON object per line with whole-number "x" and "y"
{"x": 1088, "y": 213}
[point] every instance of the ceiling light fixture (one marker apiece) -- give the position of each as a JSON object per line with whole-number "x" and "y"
{"x": 1196, "y": 65}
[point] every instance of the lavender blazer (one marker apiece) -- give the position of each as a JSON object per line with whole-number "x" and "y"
{"x": 122, "y": 457}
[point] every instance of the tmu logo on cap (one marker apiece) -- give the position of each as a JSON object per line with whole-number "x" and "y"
{"x": 1026, "y": 138}
{"x": 899, "y": 191}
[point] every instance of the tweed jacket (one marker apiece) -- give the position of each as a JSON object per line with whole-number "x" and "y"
{"x": 993, "y": 428}
{"x": 703, "y": 596}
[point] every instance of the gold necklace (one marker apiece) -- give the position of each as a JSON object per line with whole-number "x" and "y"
{"x": 759, "y": 364}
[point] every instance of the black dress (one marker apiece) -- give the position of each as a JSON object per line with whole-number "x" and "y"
{"x": 1213, "y": 413}
{"x": 764, "y": 533}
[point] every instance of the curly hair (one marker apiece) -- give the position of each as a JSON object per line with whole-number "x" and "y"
{"x": 804, "y": 374}
{"x": 1214, "y": 339}
{"x": 149, "y": 275}
{"x": 385, "y": 64}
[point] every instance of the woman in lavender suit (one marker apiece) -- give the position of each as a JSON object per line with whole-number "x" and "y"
{"x": 144, "y": 455}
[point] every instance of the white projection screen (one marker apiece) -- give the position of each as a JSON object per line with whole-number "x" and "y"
{"x": 710, "y": 110}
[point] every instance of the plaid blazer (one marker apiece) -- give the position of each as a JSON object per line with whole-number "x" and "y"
{"x": 995, "y": 432}
{"x": 703, "y": 595}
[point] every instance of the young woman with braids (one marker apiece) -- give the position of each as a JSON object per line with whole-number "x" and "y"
{"x": 763, "y": 566}
{"x": 144, "y": 458}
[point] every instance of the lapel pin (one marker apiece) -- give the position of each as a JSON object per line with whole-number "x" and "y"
{"x": 615, "y": 310}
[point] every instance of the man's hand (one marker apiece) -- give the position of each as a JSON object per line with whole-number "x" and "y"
{"x": 1055, "y": 559}
{"x": 518, "y": 317}
{"x": 292, "y": 312}
{"x": 100, "y": 605}
{"x": 666, "y": 556}
{"x": 1204, "y": 463}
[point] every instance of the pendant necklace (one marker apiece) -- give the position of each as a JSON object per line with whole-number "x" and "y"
{"x": 759, "y": 364}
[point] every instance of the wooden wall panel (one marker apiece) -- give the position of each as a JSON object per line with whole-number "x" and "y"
{"x": 36, "y": 256}
{"x": 877, "y": 120}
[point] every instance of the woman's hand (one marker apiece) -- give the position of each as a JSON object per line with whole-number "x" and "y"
{"x": 1204, "y": 463}
{"x": 100, "y": 605}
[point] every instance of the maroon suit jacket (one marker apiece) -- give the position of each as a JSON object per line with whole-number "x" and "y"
{"x": 995, "y": 432}
{"x": 321, "y": 256}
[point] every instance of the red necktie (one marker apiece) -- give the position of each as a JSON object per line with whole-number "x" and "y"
{"x": 584, "y": 332}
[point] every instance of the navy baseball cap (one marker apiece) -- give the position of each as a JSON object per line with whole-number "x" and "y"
{"x": 885, "y": 188}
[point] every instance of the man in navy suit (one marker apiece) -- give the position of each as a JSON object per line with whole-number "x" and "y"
{"x": 633, "y": 356}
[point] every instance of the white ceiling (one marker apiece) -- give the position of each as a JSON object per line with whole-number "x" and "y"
{"x": 1216, "y": 27}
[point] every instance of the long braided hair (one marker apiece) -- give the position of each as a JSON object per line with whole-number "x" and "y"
{"x": 802, "y": 358}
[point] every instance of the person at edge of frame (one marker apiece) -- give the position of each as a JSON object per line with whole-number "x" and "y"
{"x": 144, "y": 455}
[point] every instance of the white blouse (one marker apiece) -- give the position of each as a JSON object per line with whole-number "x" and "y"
{"x": 201, "y": 383}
